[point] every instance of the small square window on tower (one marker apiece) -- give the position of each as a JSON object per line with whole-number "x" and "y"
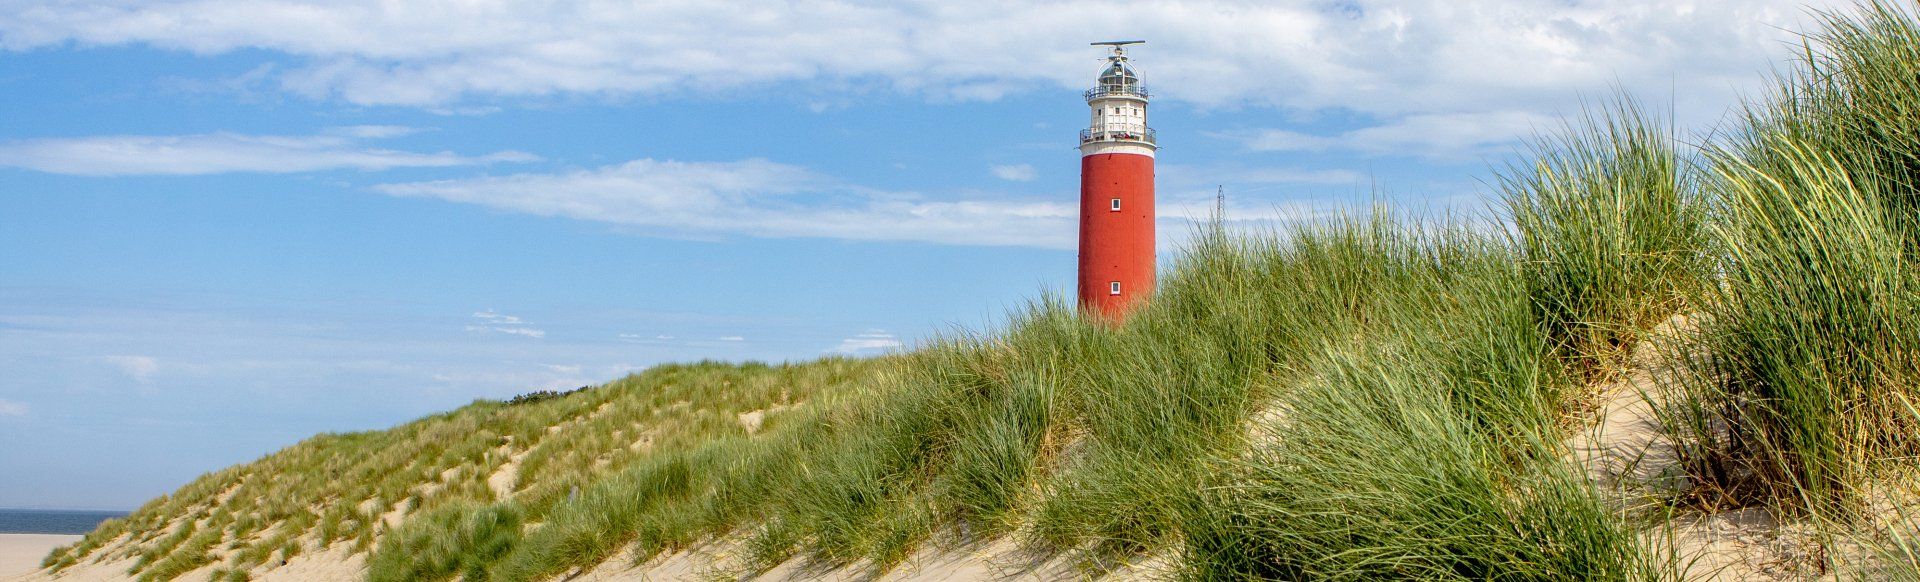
{"x": 1113, "y": 288}
{"x": 1116, "y": 205}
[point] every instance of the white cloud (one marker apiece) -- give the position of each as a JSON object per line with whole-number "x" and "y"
{"x": 10, "y": 408}
{"x": 755, "y": 198}
{"x": 532, "y": 333}
{"x": 870, "y": 342}
{"x": 1438, "y": 135}
{"x": 1389, "y": 57}
{"x": 217, "y": 153}
{"x": 731, "y": 338}
{"x": 491, "y": 316}
{"x": 140, "y": 368}
{"x": 1015, "y": 172}
{"x": 491, "y": 321}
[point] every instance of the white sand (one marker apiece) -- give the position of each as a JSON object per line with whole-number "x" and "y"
{"x": 21, "y": 553}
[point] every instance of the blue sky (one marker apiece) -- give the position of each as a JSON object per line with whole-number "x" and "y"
{"x": 230, "y": 225}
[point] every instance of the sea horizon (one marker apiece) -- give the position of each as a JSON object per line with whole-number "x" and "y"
{"x": 54, "y": 521}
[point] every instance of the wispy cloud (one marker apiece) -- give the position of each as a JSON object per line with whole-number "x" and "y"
{"x": 140, "y": 368}
{"x": 529, "y": 332}
{"x": 1015, "y": 172}
{"x": 1448, "y": 136}
{"x": 497, "y": 318}
{"x": 374, "y": 131}
{"x": 223, "y": 152}
{"x": 731, "y": 338}
{"x": 761, "y": 198}
{"x": 1178, "y": 177}
{"x": 754, "y": 197}
{"x": 490, "y": 321}
{"x": 869, "y": 342}
{"x": 11, "y": 408}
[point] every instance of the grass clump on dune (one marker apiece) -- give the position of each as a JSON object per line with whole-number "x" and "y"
{"x": 1610, "y": 228}
{"x": 454, "y": 540}
{"x": 1810, "y": 340}
{"x": 1807, "y": 364}
{"x": 1425, "y": 448}
{"x": 1379, "y": 474}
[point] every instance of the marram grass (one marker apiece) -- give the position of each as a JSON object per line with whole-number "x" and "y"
{"x": 1608, "y": 220}
{"x": 1805, "y": 363}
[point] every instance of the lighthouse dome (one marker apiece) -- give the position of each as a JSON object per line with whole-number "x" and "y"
{"x": 1117, "y": 79}
{"x": 1118, "y": 74}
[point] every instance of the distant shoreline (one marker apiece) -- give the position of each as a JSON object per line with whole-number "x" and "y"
{"x": 53, "y": 521}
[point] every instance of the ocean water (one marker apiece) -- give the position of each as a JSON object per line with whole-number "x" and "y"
{"x": 52, "y": 521}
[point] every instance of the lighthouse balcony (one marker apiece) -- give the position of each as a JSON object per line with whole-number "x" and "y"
{"x": 1118, "y": 90}
{"x": 1089, "y": 136}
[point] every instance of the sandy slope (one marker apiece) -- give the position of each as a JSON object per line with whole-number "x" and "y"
{"x": 1001, "y": 559}
{"x": 20, "y": 554}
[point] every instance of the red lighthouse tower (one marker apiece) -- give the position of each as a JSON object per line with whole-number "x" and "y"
{"x": 1116, "y": 192}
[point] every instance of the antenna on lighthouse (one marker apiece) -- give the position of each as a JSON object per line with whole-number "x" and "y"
{"x": 1117, "y": 45}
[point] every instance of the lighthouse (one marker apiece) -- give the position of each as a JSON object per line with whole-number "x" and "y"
{"x": 1116, "y": 192}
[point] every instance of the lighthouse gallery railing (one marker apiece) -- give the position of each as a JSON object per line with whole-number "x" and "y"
{"x": 1120, "y": 89}
{"x": 1088, "y": 135}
